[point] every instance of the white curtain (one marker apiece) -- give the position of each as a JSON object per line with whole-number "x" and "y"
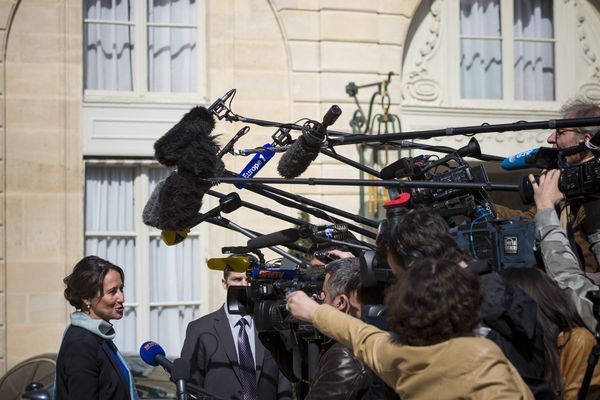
{"x": 174, "y": 277}
{"x": 109, "y": 48}
{"x": 481, "y": 59}
{"x": 172, "y": 51}
{"x": 109, "y": 208}
{"x": 534, "y": 60}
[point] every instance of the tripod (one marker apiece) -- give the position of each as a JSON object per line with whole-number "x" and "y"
{"x": 594, "y": 297}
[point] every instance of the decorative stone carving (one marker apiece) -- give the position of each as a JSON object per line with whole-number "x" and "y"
{"x": 591, "y": 89}
{"x": 418, "y": 85}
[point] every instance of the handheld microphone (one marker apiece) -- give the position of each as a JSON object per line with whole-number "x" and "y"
{"x": 306, "y": 148}
{"x": 153, "y": 354}
{"x": 256, "y": 164}
{"x": 541, "y": 157}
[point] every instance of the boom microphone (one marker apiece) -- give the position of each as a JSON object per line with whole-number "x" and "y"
{"x": 541, "y": 157}
{"x": 306, "y": 148}
{"x": 274, "y": 239}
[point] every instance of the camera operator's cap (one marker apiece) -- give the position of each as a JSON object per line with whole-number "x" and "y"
{"x": 401, "y": 200}
{"x": 233, "y": 263}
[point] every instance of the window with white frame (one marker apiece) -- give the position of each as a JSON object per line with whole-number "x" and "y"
{"x": 143, "y": 46}
{"x": 162, "y": 283}
{"x": 507, "y": 50}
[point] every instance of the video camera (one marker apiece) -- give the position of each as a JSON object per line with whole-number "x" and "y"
{"x": 577, "y": 182}
{"x": 449, "y": 202}
{"x": 469, "y": 213}
{"x": 264, "y": 299}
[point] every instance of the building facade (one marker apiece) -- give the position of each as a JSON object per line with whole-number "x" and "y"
{"x": 86, "y": 88}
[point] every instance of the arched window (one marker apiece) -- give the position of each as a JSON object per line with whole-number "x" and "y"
{"x": 472, "y": 61}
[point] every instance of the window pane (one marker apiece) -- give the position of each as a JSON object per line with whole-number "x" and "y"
{"x": 174, "y": 270}
{"x": 534, "y": 71}
{"x": 174, "y": 277}
{"x": 172, "y": 60}
{"x": 168, "y": 325}
{"x": 108, "y": 10}
{"x": 172, "y": 11}
{"x": 533, "y": 19}
{"x": 480, "y": 69}
{"x": 480, "y": 18}
{"x": 109, "y": 199}
{"x": 126, "y": 330}
{"x": 108, "y": 54}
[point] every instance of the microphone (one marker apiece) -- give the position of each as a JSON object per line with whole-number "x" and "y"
{"x": 217, "y": 106}
{"x": 333, "y": 232}
{"x": 180, "y": 374}
{"x": 227, "y": 204}
{"x": 190, "y": 147}
{"x": 227, "y": 148}
{"x": 274, "y": 239}
{"x": 541, "y": 157}
{"x": 153, "y": 354}
{"x": 306, "y": 148}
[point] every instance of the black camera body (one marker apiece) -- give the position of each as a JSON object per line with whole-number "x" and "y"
{"x": 577, "y": 182}
{"x": 264, "y": 299}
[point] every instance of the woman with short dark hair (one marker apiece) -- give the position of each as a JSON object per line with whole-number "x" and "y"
{"x": 89, "y": 365}
{"x": 434, "y": 307}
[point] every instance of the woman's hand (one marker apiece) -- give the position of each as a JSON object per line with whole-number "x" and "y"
{"x": 301, "y": 306}
{"x": 546, "y": 193}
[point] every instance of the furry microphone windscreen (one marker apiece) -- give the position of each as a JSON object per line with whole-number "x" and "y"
{"x": 189, "y": 146}
{"x": 297, "y": 158}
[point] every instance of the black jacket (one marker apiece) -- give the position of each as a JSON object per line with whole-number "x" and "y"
{"x": 340, "y": 376}
{"x": 85, "y": 369}
{"x": 512, "y": 317}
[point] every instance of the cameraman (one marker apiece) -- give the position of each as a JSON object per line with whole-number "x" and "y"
{"x": 559, "y": 259}
{"x": 509, "y": 315}
{"x": 339, "y": 374}
{"x": 584, "y": 231}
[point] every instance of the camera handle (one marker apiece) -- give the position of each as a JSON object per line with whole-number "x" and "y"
{"x": 594, "y": 296}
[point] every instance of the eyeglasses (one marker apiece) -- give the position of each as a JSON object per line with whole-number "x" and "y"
{"x": 565, "y": 130}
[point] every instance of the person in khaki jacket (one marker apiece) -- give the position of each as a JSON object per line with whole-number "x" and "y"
{"x": 435, "y": 309}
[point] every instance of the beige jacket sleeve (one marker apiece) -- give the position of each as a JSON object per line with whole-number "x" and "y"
{"x": 372, "y": 346}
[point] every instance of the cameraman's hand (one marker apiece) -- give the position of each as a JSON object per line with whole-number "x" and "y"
{"x": 546, "y": 193}
{"x": 301, "y": 306}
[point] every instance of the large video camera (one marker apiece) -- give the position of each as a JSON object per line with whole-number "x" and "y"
{"x": 448, "y": 201}
{"x": 264, "y": 299}
{"x": 469, "y": 213}
{"x": 577, "y": 182}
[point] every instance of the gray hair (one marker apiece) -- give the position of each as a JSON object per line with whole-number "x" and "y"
{"x": 579, "y": 107}
{"x": 344, "y": 276}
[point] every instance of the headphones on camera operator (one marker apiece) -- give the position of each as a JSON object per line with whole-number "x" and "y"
{"x": 395, "y": 211}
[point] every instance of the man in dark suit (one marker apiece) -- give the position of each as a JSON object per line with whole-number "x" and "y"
{"x": 219, "y": 358}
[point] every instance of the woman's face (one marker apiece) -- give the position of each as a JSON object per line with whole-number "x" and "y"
{"x": 109, "y": 303}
